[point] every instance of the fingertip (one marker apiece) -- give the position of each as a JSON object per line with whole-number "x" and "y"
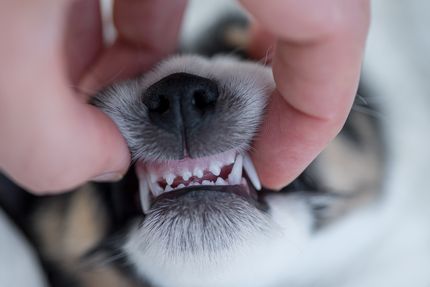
{"x": 110, "y": 148}
{"x": 87, "y": 146}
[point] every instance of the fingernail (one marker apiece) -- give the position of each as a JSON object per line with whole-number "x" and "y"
{"x": 109, "y": 176}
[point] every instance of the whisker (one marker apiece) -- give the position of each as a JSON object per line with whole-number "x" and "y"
{"x": 265, "y": 59}
{"x": 362, "y": 99}
{"x": 367, "y": 111}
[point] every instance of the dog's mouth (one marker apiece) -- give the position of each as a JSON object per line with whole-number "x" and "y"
{"x": 228, "y": 172}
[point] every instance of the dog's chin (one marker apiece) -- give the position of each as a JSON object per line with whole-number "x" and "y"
{"x": 200, "y": 226}
{"x": 196, "y": 230}
{"x": 198, "y": 222}
{"x": 216, "y": 236}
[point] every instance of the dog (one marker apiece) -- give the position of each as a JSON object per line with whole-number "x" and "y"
{"x": 192, "y": 212}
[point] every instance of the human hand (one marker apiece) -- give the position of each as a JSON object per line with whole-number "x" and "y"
{"x": 51, "y": 140}
{"x": 316, "y": 66}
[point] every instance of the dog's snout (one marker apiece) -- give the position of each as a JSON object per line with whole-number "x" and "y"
{"x": 181, "y": 102}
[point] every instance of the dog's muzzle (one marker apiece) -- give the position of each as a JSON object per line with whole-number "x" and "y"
{"x": 180, "y": 104}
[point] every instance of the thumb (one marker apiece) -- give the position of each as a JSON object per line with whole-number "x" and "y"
{"x": 60, "y": 144}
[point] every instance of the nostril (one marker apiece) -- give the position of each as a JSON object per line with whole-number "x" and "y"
{"x": 202, "y": 99}
{"x": 158, "y": 103}
{"x": 181, "y": 103}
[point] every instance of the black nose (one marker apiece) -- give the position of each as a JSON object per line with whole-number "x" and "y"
{"x": 180, "y": 103}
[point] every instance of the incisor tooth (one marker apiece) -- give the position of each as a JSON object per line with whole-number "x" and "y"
{"x": 181, "y": 185}
{"x": 198, "y": 172}
{"x": 170, "y": 177}
{"x": 207, "y": 182}
{"x": 168, "y": 188}
{"x": 186, "y": 175}
{"x": 214, "y": 169}
{"x": 220, "y": 181}
{"x": 230, "y": 158}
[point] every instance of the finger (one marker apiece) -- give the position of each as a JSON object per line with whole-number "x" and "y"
{"x": 82, "y": 36}
{"x": 119, "y": 62}
{"x": 59, "y": 142}
{"x": 261, "y": 44}
{"x": 49, "y": 140}
{"x": 316, "y": 68}
{"x": 147, "y": 32}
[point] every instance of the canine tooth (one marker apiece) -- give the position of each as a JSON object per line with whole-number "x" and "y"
{"x": 249, "y": 168}
{"x": 144, "y": 194}
{"x": 236, "y": 172}
{"x": 170, "y": 177}
{"x": 198, "y": 172}
{"x": 186, "y": 174}
{"x": 152, "y": 177}
{"x": 168, "y": 188}
{"x": 181, "y": 185}
{"x": 214, "y": 169}
{"x": 220, "y": 181}
{"x": 155, "y": 188}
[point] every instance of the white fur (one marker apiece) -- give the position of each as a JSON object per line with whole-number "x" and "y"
{"x": 260, "y": 261}
{"x": 18, "y": 263}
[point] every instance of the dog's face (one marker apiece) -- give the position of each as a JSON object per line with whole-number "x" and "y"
{"x": 204, "y": 220}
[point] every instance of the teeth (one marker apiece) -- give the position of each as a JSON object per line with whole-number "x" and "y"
{"x": 236, "y": 172}
{"x": 230, "y": 158}
{"x": 155, "y": 188}
{"x": 186, "y": 175}
{"x": 152, "y": 177}
{"x": 251, "y": 172}
{"x": 149, "y": 186}
{"x": 207, "y": 182}
{"x": 214, "y": 169}
{"x": 220, "y": 181}
{"x": 170, "y": 177}
{"x": 144, "y": 194}
{"x": 198, "y": 172}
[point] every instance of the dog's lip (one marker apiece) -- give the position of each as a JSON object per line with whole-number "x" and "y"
{"x": 243, "y": 190}
{"x": 234, "y": 170}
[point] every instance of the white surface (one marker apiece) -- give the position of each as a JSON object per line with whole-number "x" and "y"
{"x": 18, "y": 267}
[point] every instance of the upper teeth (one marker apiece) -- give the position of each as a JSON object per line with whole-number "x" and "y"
{"x": 145, "y": 200}
{"x": 186, "y": 174}
{"x": 217, "y": 170}
{"x": 169, "y": 178}
{"x": 214, "y": 168}
{"x": 198, "y": 172}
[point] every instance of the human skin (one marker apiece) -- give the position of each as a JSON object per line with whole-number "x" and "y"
{"x": 51, "y": 140}
{"x": 316, "y": 65}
